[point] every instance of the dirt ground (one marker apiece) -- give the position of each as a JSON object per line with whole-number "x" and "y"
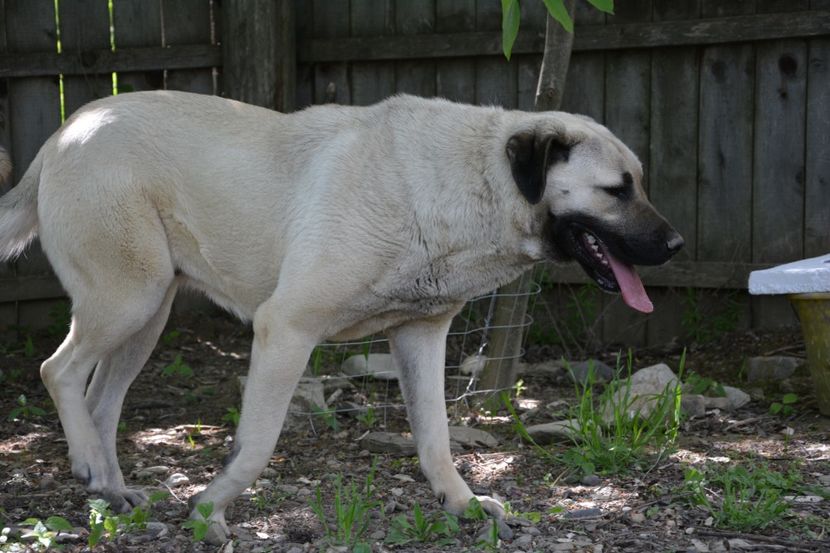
{"x": 178, "y": 424}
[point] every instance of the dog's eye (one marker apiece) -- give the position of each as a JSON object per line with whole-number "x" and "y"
{"x": 620, "y": 192}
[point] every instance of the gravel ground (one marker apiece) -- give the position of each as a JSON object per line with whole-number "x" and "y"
{"x": 174, "y": 425}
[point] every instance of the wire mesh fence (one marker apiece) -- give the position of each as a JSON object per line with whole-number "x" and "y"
{"x": 358, "y": 378}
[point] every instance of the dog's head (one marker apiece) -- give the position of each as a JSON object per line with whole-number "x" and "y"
{"x": 586, "y": 185}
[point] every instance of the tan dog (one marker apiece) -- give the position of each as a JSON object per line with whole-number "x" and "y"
{"x": 327, "y": 224}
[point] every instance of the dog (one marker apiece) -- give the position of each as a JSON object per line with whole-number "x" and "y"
{"x": 331, "y": 223}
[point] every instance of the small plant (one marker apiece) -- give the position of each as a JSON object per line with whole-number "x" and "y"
{"x": 29, "y": 347}
{"x": 178, "y": 368}
{"x": 328, "y": 416}
{"x": 104, "y": 524}
{"x": 352, "y": 510}
{"x": 703, "y": 324}
{"x": 192, "y": 434}
{"x": 231, "y": 416}
{"x": 475, "y": 511}
{"x": 171, "y": 337}
{"x": 201, "y": 525}
{"x": 24, "y": 410}
{"x": 785, "y": 407}
{"x": 45, "y": 534}
{"x": 697, "y": 384}
{"x": 368, "y": 418}
{"x": 439, "y": 528}
{"x": 741, "y": 499}
{"x": 61, "y": 317}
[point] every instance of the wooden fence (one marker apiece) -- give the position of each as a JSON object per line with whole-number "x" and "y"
{"x": 727, "y": 104}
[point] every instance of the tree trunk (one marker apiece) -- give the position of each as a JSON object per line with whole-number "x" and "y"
{"x": 510, "y": 310}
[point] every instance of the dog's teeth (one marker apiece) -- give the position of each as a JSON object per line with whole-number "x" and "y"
{"x": 591, "y": 239}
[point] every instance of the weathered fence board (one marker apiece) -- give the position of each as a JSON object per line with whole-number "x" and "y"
{"x": 84, "y": 25}
{"x": 137, "y": 23}
{"x": 258, "y": 53}
{"x": 817, "y": 171}
{"x": 455, "y": 78}
{"x": 627, "y": 101}
{"x": 331, "y": 80}
{"x": 188, "y": 23}
{"x": 414, "y": 17}
{"x": 372, "y": 81}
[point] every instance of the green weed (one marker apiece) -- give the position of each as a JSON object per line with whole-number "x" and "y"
{"x": 703, "y": 324}
{"x": 103, "y": 523}
{"x": 178, "y": 368}
{"x": 61, "y": 317}
{"x": 201, "y": 525}
{"x": 171, "y": 337}
{"x": 368, "y": 418}
{"x": 232, "y": 416}
{"x": 328, "y": 416}
{"x": 44, "y": 534}
{"x": 739, "y": 498}
{"x": 696, "y": 384}
{"x": 438, "y": 528}
{"x": 785, "y": 407}
{"x": 352, "y": 511}
{"x": 24, "y": 410}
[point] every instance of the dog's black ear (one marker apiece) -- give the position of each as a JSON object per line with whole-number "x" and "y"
{"x": 531, "y": 154}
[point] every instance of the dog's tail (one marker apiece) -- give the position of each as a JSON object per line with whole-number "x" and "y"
{"x": 18, "y": 208}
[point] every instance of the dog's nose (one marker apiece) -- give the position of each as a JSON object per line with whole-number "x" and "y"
{"x": 675, "y": 242}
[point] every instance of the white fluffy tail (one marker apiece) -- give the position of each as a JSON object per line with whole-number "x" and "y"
{"x": 18, "y": 208}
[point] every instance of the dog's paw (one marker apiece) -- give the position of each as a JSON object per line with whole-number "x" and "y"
{"x": 491, "y": 506}
{"x": 217, "y": 532}
{"x": 125, "y": 499}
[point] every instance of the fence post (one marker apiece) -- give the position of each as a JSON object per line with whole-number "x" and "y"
{"x": 511, "y": 304}
{"x": 259, "y": 52}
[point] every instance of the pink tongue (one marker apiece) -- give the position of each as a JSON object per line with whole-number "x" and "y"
{"x": 631, "y": 286}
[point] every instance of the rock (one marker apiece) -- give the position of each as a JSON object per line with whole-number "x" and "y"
{"x": 151, "y": 472}
{"x": 580, "y": 369}
{"x": 581, "y": 514}
{"x": 774, "y": 368}
{"x": 645, "y": 385}
{"x": 693, "y": 405}
{"x": 550, "y": 432}
{"x": 310, "y": 396}
{"x": 473, "y": 365}
{"x": 389, "y": 442}
{"x": 735, "y": 399}
{"x": 472, "y": 437}
{"x": 737, "y": 543}
{"x": 376, "y": 365}
{"x": 332, "y": 383}
{"x": 591, "y": 480}
{"x": 545, "y": 369}
{"x": 524, "y": 539}
{"x": 48, "y": 482}
{"x": 176, "y": 479}
{"x": 637, "y": 518}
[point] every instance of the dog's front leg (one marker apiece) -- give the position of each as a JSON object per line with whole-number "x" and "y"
{"x": 279, "y": 355}
{"x": 419, "y": 350}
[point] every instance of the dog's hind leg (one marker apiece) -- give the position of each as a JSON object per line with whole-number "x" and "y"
{"x": 419, "y": 349}
{"x": 105, "y": 398}
{"x": 282, "y": 345}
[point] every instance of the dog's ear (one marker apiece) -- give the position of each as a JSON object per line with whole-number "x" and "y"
{"x": 531, "y": 154}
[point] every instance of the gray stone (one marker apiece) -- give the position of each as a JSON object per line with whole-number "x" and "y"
{"x": 151, "y": 472}
{"x": 646, "y": 386}
{"x": 310, "y": 396}
{"x": 581, "y": 514}
{"x": 389, "y": 442}
{"x": 472, "y": 437}
{"x": 545, "y": 369}
{"x": 524, "y": 539}
{"x": 580, "y": 369}
{"x": 591, "y": 480}
{"x": 550, "y": 432}
{"x": 376, "y": 365}
{"x": 693, "y": 405}
{"x": 48, "y": 482}
{"x": 772, "y": 368}
{"x": 176, "y": 479}
{"x": 735, "y": 399}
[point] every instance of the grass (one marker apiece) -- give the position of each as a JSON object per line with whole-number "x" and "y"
{"x": 608, "y": 435}
{"x": 740, "y": 498}
{"x": 438, "y": 528}
{"x": 353, "y": 507}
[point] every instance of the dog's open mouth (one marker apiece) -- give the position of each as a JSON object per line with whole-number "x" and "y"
{"x": 610, "y": 273}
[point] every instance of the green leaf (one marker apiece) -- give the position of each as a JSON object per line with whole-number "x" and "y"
{"x": 362, "y": 548}
{"x": 557, "y": 10}
{"x": 606, "y": 6}
{"x": 58, "y": 524}
{"x": 775, "y": 408}
{"x": 158, "y": 495}
{"x": 205, "y": 509}
{"x": 789, "y": 399}
{"x": 510, "y": 17}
